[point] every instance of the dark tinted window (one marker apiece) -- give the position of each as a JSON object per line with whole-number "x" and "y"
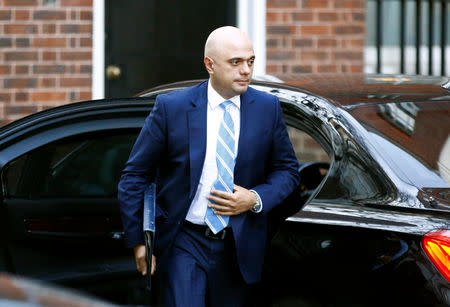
{"x": 412, "y": 137}
{"x": 82, "y": 166}
{"x": 356, "y": 178}
{"x": 306, "y": 148}
{"x": 13, "y": 180}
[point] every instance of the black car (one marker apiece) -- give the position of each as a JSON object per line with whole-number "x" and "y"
{"x": 369, "y": 223}
{"x": 24, "y": 292}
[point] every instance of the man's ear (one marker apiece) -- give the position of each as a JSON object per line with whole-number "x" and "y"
{"x": 208, "y": 64}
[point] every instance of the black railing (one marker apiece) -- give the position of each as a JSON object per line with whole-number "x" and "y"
{"x": 402, "y": 18}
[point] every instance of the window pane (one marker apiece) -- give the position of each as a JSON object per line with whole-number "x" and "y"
{"x": 305, "y": 147}
{"x": 13, "y": 178}
{"x": 81, "y": 166}
{"x": 88, "y": 167}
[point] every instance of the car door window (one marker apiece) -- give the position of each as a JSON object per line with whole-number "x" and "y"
{"x": 81, "y": 166}
{"x": 306, "y": 148}
{"x": 90, "y": 165}
{"x": 313, "y": 159}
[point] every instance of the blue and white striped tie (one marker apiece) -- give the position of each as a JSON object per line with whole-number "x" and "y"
{"x": 225, "y": 159}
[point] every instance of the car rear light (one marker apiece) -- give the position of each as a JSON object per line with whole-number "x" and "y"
{"x": 437, "y": 246}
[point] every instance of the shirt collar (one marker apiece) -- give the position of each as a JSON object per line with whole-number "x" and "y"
{"x": 214, "y": 98}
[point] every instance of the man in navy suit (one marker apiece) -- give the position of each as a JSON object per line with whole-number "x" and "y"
{"x": 181, "y": 148}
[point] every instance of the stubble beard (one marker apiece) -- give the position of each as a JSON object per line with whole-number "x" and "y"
{"x": 238, "y": 89}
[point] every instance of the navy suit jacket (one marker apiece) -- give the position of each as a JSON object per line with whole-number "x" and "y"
{"x": 170, "y": 151}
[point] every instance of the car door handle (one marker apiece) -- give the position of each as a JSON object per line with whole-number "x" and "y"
{"x": 83, "y": 227}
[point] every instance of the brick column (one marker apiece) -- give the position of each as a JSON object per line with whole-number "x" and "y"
{"x": 46, "y": 55}
{"x": 315, "y": 36}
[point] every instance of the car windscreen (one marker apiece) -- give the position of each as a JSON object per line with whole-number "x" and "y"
{"x": 413, "y": 137}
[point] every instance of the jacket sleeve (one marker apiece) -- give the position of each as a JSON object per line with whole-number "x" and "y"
{"x": 283, "y": 176}
{"x": 139, "y": 171}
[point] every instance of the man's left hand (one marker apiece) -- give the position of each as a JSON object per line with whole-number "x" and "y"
{"x": 241, "y": 200}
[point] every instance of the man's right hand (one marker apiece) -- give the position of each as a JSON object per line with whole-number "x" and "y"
{"x": 139, "y": 255}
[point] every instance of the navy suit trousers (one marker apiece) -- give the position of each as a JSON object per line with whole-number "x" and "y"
{"x": 203, "y": 271}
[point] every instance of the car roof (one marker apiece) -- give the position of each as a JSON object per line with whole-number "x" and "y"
{"x": 353, "y": 90}
{"x": 350, "y": 90}
{"x": 82, "y": 108}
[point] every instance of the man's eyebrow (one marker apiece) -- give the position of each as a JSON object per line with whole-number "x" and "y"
{"x": 242, "y": 59}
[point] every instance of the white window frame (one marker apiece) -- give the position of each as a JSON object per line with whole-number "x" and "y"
{"x": 98, "y": 49}
{"x": 251, "y": 18}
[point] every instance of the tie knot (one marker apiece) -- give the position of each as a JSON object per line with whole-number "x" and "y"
{"x": 225, "y": 104}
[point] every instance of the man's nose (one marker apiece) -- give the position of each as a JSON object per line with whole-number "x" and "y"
{"x": 245, "y": 68}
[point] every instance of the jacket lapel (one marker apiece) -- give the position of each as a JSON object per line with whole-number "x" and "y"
{"x": 197, "y": 136}
{"x": 243, "y": 148}
{"x": 197, "y": 117}
{"x": 244, "y": 141}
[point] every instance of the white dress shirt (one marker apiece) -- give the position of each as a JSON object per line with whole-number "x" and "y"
{"x": 214, "y": 115}
{"x": 197, "y": 211}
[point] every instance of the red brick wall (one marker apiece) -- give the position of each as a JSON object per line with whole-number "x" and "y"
{"x": 46, "y": 47}
{"x": 46, "y": 55}
{"x": 315, "y": 36}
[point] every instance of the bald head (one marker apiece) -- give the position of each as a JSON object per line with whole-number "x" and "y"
{"x": 229, "y": 61}
{"x": 225, "y": 37}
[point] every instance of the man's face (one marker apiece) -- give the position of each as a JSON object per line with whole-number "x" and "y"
{"x": 232, "y": 68}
